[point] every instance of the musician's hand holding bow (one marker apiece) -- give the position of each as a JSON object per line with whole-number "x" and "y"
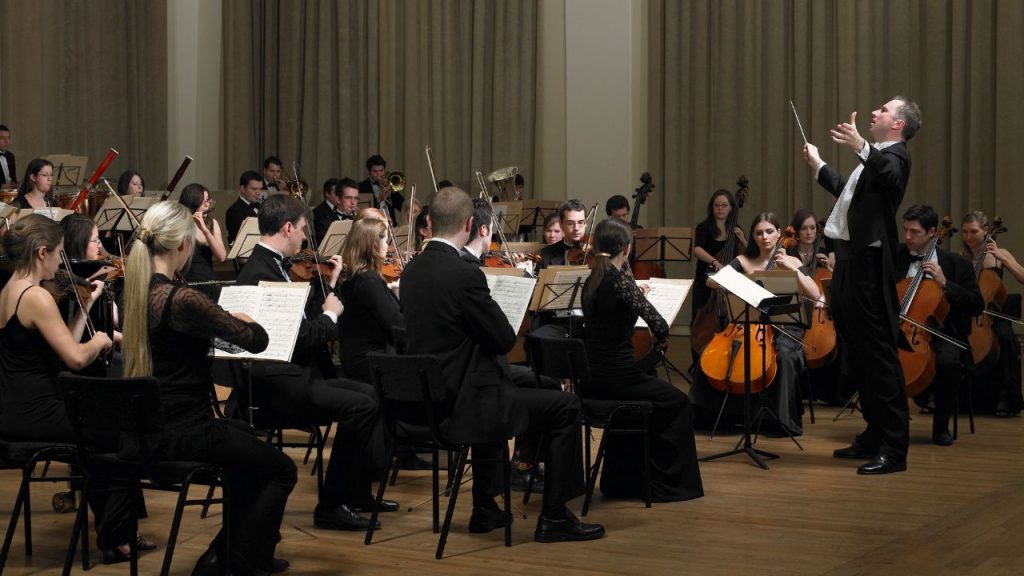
{"x": 333, "y": 305}
{"x": 337, "y": 265}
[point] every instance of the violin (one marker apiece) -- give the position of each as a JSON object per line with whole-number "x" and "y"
{"x": 712, "y": 318}
{"x": 306, "y": 265}
{"x": 820, "y": 337}
{"x": 723, "y": 359}
{"x": 984, "y": 344}
{"x": 921, "y": 300}
{"x": 65, "y": 285}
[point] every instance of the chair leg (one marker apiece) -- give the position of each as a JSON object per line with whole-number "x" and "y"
{"x": 592, "y": 476}
{"x": 390, "y": 459}
{"x": 810, "y": 394}
{"x": 13, "y": 524}
{"x": 209, "y": 500}
{"x": 435, "y": 472}
{"x": 81, "y": 527}
{"x": 647, "y": 460}
{"x": 507, "y": 468}
{"x": 463, "y": 455}
{"x": 172, "y": 537}
{"x": 27, "y": 507}
{"x": 970, "y": 403}
{"x": 84, "y": 505}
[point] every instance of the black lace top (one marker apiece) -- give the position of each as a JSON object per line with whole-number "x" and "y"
{"x": 182, "y": 322}
{"x": 609, "y": 318}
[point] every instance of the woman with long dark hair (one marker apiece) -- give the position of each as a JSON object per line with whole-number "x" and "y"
{"x": 209, "y": 240}
{"x": 35, "y": 187}
{"x": 709, "y": 237}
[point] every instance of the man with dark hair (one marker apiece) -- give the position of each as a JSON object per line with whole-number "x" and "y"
{"x": 617, "y": 207}
{"x": 467, "y": 330}
{"x": 307, "y": 389}
{"x": 272, "y": 170}
{"x": 250, "y": 194}
{"x": 573, "y": 218}
{"x": 8, "y": 169}
{"x": 862, "y": 227}
{"x": 955, "y": 276}
{"x": 329, "y": 210}
{"x": 375, "y": 183}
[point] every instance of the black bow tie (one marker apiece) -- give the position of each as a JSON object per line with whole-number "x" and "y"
{"x": 916, "y": 258}
{"x": 285, "y": 263}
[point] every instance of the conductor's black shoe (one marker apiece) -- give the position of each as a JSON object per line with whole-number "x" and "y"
{"x": 882, "y": 464}
{"x": 340, "y": 518}
{"x": 855, "y": 451}
{"x": 366, "y": 506}
{"x": 942, "y": 438}
{"x": 484, "y": 520}
{"x": 567, "y": 528}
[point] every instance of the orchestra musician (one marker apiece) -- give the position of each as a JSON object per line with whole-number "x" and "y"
{"x": 709, "y": 238}
{"x": 131, "y": 184}
{"x": 1001, "y": 392}
{"x": 612, "y": 301}
{"x": 806, "y": 225}
{"x": 8, "y": 168}
{"x": 376, "y": 171}
{"x": 862, "y": 226}
{"x": 307, "y": 387}
{"x": 617, "y": 206}
{"x": 209, "y": 246}
{"x": 82, "y": 242}
{"x": 272, "y": 170}
{"x": 469, "y": 332}
{"x": 955, "y": 275}
{"x": 572, "y": 216}
{"x": 250, "y": 194}
{"x": 35, "y": 188}
{"x": 34, "y": 344}
{"x": 168, "y": 330}
{"x": 552, "y": 229}
{"x": 341, "y": 199}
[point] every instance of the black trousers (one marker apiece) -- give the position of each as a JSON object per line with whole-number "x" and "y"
{"x": 949, "y": 371}
{"x": 864, "y": 322}
{"x": 555, "y": 415}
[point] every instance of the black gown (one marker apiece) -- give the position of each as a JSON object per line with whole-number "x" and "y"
{"x": 703, "y": 237}
{"x": 182, "y": 323}
{"x": 609, "y": 316}
{"x": 371, "y": 309}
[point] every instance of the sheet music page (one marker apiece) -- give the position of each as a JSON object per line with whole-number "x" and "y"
{"x": 667, "y": 296}
{"x": 556, "y": 287}
{"x": 512, "y": 293}
{"x": 277, "y": 306}
{"x": 739, "y": 285}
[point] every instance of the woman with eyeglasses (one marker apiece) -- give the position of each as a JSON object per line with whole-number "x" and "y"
{"x": 209, "y": 241}
{"x": 709, "y": 237}
{"x": 35, "y": 186}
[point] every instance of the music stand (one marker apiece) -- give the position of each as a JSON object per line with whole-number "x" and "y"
{"x": 508, "y": 215}
{"x": 246, "y": 239}
{"x": 334, "y": 238}
{"x": 51, "y": 212}
{"x": 664, "y": 244}
{"x": 560, "y": 289}
{"x": 72, "y": 168}
{"x": 365, "y": 201}
{"x": 745, "y": 295}
{"x": 535, "y": 212}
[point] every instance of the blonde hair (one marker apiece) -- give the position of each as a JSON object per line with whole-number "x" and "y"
{"x": 360, "y": 251}
{"x": 164, "y": 228}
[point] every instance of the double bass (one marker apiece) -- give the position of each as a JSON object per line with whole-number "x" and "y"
{"x": 820, "y": 337}
{"x": 984, "y": 344}
{"x": 643, "y": 270}
{"x": 712, "y": 317}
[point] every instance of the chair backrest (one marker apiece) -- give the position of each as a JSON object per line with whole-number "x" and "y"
{"x": 410, "y": 389}
{"x": 560, "y": 358}
{"x": 114, "y": 414}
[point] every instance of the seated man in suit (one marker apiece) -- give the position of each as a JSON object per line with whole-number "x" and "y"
{"x": 8, "y": 170}
{"x": 307, "y": 388}
{"x": 250, "y": 193}
{"x": 467, "y": 330}
{"x": 573, "y": 219}
{"x": 955, "y": 274}
{"x": 376, "y": 171}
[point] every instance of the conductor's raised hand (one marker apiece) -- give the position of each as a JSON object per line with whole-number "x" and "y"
{"x": 811, "y": 156}
{"x": 846, "y": 133}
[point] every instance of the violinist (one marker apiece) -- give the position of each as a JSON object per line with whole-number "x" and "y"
{"x": 34, "y": 344}
{"x": 954, "y": 274}
{"x": 209, "y": 246}
{"x": 8, "y": 169}
{"x": 708, "y": 240}
{"x": 862, "y": 226}
{"x": 250, "y": 194}
{"x": 131, "y": 185}
{"x": 307, "y": 387}
{"x": 784, "y": 392}
{"x": 552, "y": 229}
{"x": 272, "y": 170}
{"x": 572, "y": 215}
{"x": 36, "y": 187}
{"x": 611, "y": 304}
{"x": 1003, "y": 386}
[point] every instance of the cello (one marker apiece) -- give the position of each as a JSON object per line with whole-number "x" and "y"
{"x": 820, "y": 337}
{"x": 921, "y": 300}
{"x": 984, "y": 344}
{"x": 722, "y": 360}
{"x": 712, "y": 318}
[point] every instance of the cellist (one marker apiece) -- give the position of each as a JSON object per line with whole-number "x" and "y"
{"x": 1004, "y": 390}
{"x": 955, "y": 275}
{"x": 708, "y": 240}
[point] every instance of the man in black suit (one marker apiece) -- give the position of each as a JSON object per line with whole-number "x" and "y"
{"x": 307, "y": 389}
{"x": 573, "y": 219}
{"x": 250, "y": 193}
{"x": 376, "y": 171}
{"x": 335, "y": 205}
{"x": 467, "y": 330}
{"x": 863, "y": 228}
{"x": 272, "y": 175}
{"x": 955, "y": 275}
{"x": 8, "y": 169}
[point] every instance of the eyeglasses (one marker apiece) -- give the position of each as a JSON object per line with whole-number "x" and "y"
{"x": 42, "y": 175}
{"x": 95, "y": 241}
{"x": 726, "y": 205}
{"x": 576, "y": 223}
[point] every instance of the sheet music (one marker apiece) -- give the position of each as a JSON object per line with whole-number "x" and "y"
{"x": 52, "y": 212}
{"x": 277, "y": 306}
{"x": 556, "y": 288}
{"x": 512, "y": 293}
{"x": 667, "y": 296}
{"x": 742, "y": 287}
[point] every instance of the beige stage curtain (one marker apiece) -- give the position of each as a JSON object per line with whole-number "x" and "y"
{"x": 82, "y": 77}
{"x": 723, "y": 72}
{"x": 328, "y": 83}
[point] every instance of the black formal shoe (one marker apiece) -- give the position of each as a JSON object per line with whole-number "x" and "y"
{"x": 568, "y": 528}
{"x": 366, "y": 507}
{"x": 114, "y": 556}
{"x": 484, "y": 520}
{"x": 278, "y": 565}
{"x": 518, "y": 480}
{"x": 208, "y": 563}
{"x": 943, "y": 438}
{"x": 855, "y": 451}
{"x": 340, "y": 518}
{"x": 882, "y": 464}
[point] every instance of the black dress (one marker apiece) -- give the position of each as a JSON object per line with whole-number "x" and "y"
{"x": 609, "y": 317}
{"x": 703, "y": 237}
{"x": 200, "y": 269}
{"x": 371, "y": 309}
{"x": 182, "y": 323}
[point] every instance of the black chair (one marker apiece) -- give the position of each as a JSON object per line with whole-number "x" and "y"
{"x": 118, "y": 421}
{"x": 25, "y": 456}
{"x": 414, "y": 406}
{"x": 566, "y": 358}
